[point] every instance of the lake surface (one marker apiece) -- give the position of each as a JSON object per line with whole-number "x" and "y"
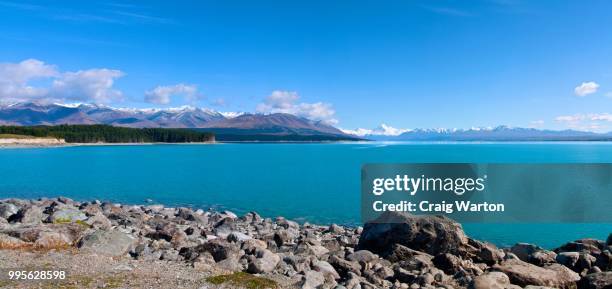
{"x": 318, "y": 183}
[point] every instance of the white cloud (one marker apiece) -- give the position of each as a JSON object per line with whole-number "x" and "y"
{"x": 601, "y": 117}
{"x": 93, "y": 85}
{"x": 163, "y": 94}
{"x": 383, "y": 129}
{"x": 287, "y": 102}
{"x": 357, "y": 132}
{"x": 589, "y": 122}
{"x": 570, "y": 118}
{"x": 585, "y": 117}
{"x": 586, "y": 88}
{"x": 15, "y": 78}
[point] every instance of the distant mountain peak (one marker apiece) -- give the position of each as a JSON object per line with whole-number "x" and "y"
{"x": 32, "y": 113}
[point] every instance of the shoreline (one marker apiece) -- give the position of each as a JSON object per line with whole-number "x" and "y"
{"x": 422, "y": 251}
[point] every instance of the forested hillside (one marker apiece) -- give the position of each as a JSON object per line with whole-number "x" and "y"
{"x": 110, "y": 134}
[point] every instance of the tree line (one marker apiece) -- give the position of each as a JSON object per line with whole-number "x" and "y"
{"x": 110, "y": 134}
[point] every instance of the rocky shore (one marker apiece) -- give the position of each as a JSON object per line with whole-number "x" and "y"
{"x": 106, "y": 245}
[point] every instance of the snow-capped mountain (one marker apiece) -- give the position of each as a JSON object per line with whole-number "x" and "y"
{"x": 500, "y": 133}
{"x": 253, "y": 125}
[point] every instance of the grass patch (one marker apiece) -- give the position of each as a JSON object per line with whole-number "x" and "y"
{"x": 61, "y": 221}
{"x": 245, "y": 280}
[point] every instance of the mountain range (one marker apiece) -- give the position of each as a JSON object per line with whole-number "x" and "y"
{"x": 226, "y": 126}
{"x": 259, "y": 127}
{"x": 500, "y": 133}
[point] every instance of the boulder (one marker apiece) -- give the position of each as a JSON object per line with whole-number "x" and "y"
{"x": 579, "y": 262}
{"x": 487, "y": 253}
{"x": 219, "y": 249}
{"x": 449, "y": 263}
{"x": 325, "y": 268}
{"x": 27, "y": 215}
{"x": 265, "y": 262}
{"x": 523, "y": 274}
{"x": 66, "y": 215}
{"x": 400, "y": 252}
{"x": 568, "y": 259}
{"x": 344, "y": 267}
{"x": 238, "y": 237}
{"x": 312, "y": 280}
{"x": 297, "y": 263}
{"x": 335, "y": 229}
{"x": 533, "y": 254}
{"x": 225, "y": 227}
{"x": 7, "y": 210}
{"x": 601, "y": 280}
{"x": 9, "y": 242}
{"x": 591, "y": 246}
{"x": 430, "y": 234}
{"x": 108, "y": 243}
{"x": 53, "y": 240}
{"x": 362, "y": 256}
{"x": 492, "y": 280}
{"x": 99, "y": 221}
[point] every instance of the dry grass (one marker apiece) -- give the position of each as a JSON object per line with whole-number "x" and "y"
{"x": 21, "y": 136}
{"x": 27, "y": 246}
{"x": 243, "y": 280}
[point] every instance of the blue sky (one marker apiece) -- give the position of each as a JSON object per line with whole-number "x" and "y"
{"x": 356, "y": 64}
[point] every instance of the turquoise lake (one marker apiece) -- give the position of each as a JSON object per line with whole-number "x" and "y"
{"x": 317, "y": 182}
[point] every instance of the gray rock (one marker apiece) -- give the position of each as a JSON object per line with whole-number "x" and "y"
{"x": 533, "y": 254}
{"x": 53, "y": 239}
{"x": 523, "y": 274}
{"x": 591, "y": 246}
{"x": 568, "y": 259}
{"x": 429, "y": 234}
{"x": 230, "y": 264}
{"x": 449, "y": 263}
{"x": 325, "y": 268}
{"x": 9, "y": 242}
{"x": 225, "y": 227}
{"x": 602, "y": 280}
{"x": 28, "y": 215}
{"x": 219, "y": 249}
{"x": 312, "y": 280}
{"x": 400, "y": 252}
{"x": 492, "y": 280}
{"x": 265, "y": 262}
{"x": 344, "y": 267}
{"x": 170, "y": 255}
{"x": 238, "y": 237}
{"x": 108, "y": 243}
{"x": 298, "y": 263}
{"x": 287, "y": 224}
{"x": 362, "y": 256}
{"x": 335, "y": 229}
{"x": 7, "y": 210}
{"x": 66, "y": 215}
{"x": 488, "y": 253}
{"x": 99, "y": 221}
